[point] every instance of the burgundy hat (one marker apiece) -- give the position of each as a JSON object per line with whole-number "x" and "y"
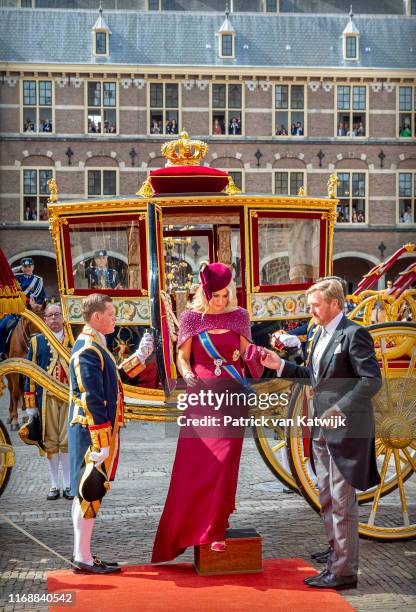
{"x": 214, "y": 277}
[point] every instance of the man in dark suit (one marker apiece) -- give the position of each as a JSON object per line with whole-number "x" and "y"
{"x": 344, "y": 373}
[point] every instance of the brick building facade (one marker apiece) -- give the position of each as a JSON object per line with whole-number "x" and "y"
{"x": 96, "y": 121}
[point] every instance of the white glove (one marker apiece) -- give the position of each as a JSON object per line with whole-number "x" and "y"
{"x": 146, "y": 347}
{"x": 289, "y": 341}
{"x": 31, "y": 412}
{"x": 100, "y": 457}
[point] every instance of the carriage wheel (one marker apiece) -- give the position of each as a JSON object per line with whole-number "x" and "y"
{"x": 387, "y": 512}
{"x": 6, "y": 457}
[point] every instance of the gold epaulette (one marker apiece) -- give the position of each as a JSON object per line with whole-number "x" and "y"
{"x": 82, "y": 420}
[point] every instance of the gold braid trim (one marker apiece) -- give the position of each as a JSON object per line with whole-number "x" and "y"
{"x": 132, "y": 366}
{"x": 82, "y": 420}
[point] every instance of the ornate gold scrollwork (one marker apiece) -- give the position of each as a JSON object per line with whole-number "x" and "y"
{"x": 332, "y": 183}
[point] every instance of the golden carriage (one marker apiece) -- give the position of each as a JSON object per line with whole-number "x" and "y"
{"x": 185, "y": 215}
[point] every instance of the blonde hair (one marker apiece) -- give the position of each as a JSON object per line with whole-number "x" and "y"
{"x": 96, "y": 302}
{"x": 331, "y": 289}
{"x": 200, "y": 303}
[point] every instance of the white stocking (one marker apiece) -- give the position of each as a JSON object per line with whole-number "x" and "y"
{"x": 82, "y": 534}
{"x": 65, "y": 469}
{"x": 53, "y": 463}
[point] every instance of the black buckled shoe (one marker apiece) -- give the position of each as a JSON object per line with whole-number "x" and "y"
{"x": 67, "y": 493}
{"x": 332, "y": 581}
{"x": 97, "y": 561}
{"x": 84, "y": 568}
{"x": 309, "y": 578}
{"x": 53, "y": 494}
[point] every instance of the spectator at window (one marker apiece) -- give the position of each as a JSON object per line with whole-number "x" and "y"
{"x": 235, "y": 126}
{"x": 168, "y": 127}
{"x": 29, "y": 214}
{"x": 47, "y": 126}
{"x": 340, "y": 217}
{"x": 360, "y": 217}
{"x": 298, "y": 129}
{"x": 156, "y": 127}
{"x": 92, "y": 128}
{"x": 217, "y": 127}
{"x": 405, "y": 131}
{"x": 112, "y": 129}
{"x": 282, "y": 131}
{"x": 45, "y": 215}
{"x": 174, "y": 127}
{"x": 28, "y": 127}
{"x": 354, "y": 218}
{"x": 342, "y": 130}
{"x": 407, "y": 215}
{"x": 359, "y": 130}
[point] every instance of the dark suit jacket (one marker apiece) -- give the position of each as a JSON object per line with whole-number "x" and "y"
{"x": 348, "y": 377}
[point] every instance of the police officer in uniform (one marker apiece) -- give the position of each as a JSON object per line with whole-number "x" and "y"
{"x": 32, "y": 287}
{"x": 100, "y": 276}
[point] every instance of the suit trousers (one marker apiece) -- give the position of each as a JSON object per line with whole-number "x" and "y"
{"x": 56, "y": 426}
{"x": 339, "y": 510}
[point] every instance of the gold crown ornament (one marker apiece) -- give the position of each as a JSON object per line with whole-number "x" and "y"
{"x": 184, "y": 152}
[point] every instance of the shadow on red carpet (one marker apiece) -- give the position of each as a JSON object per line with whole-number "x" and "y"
{"x": 174, "y": 587}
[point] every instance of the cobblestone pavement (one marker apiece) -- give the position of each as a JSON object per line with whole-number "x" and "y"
{"x": 127, "y": 523}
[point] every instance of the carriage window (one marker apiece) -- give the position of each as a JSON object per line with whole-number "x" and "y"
{"x": 185, "y": 255}
{"x": 106, "y": 255}
{"x": 287, "y": 250}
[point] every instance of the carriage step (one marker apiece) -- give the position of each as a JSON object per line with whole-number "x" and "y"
{"x": 241, "y": 556}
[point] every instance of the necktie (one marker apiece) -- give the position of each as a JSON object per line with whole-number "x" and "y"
{"x": 318, "y": 350}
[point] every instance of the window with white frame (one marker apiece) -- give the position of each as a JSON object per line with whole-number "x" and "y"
{"x": 407, "y": 112}
{"x": 101, "y": 183}
{"x": 289, "y": 104}
{"x": 35, "y": 193}
{"x": 102, "y": 107}
{"x": 407, "y": 195}
{"x": 288, "y": 182}
{"x": 351, "y": 111}
{"x": 37, "y": 107}
{"x": 164, "y": 108}
{"x": 26, "y": 3}
{"x": 227, "y": 109}
{"x": 352, "y": 194}
{"x": 413, "y": 7}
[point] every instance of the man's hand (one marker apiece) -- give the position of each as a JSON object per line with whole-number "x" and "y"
{"x": 332, "y": 412}
{"x": 269, "y": 359}
{"x": 32, "y": 302}
{"x": 31, "y": 412}
{"x": 146, "y": 347}
{"x": 101, "y": 456}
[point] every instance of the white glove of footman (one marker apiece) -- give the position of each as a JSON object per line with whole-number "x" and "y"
{"x": 101, "y": 456}
{"x": 146, "y": 347}
{"x": 31, "y": 412}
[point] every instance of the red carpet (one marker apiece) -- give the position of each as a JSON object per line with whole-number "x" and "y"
{"x": 169, "y": 588}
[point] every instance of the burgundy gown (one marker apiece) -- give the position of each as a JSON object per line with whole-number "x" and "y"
{"x": 203, "y": 485}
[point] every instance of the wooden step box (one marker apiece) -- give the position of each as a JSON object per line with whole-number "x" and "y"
{"x": 241, "y": 556}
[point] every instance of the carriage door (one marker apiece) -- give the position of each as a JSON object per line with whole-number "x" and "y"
{"x": 160, "y": 306}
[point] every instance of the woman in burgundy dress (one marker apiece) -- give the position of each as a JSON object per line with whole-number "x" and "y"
{"x": 213, "y": 336}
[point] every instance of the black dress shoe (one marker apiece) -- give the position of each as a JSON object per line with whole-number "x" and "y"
{"x": 67, "y": 493}
{"x": 309, "y": 578}
{"x": 53, "y": 494}
{"x": 324, "y": 553}
{"x": 97, "y": 561}
{"x": 84, "y": 568}
{"x": 332, "y": 581}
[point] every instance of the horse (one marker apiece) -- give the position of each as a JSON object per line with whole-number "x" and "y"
{"x": 18, "y": 347}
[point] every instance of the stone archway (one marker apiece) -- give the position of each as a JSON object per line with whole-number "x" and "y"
{"x": 352, "y": 267}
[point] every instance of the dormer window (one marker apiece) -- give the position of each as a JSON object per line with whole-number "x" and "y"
{"x": 351, "y": 47}
{"x": 101, "y": 45}
{"x": 101, "y": 36}
{"x": 227, "y": 45}
{"x": 226, "y": 34}
{"x": 351, "y": 35}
